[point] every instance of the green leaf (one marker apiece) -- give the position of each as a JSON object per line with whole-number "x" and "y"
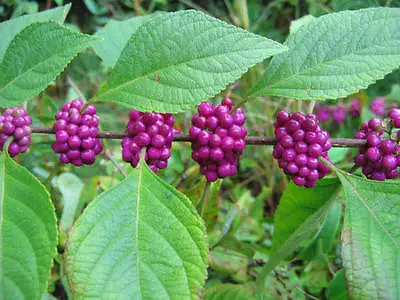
{"x": 339, "y": 5}
{"x": 139, "y": 240}
{"x": 299, "y": 215}
{"x": 115, "y": 36}
{"x": 371, "y": 237}
{"x": 228, "y": 291}
{"x": 35, "y": 57}
{"x": 9, "y": 29}
{"x": 28, "y": 233}
{"x": 322, "y": 243}
{"x": 176, "y": 60}
{"x": 335, "y": 55}
{"x": 337, "y": 289}
{"x": 296, "y": 24}
{"x": 70, "y": 187}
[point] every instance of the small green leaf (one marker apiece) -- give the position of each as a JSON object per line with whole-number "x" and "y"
{"x": 371, "y": 237}
{"x": 28, "y": 233}
{"x": 176, "y": 60}
{"x": 296, "y": 24}
{"x": 228, "y": 291}
{"x": 337, "y": 289}
{"x": 9, "y": 29}
{"x": 70, "y": 187}
{"x": 139, "y": 240}
{"x": 300, "y": 213}
{"x": 115, "y": 36}
{"x": 35, "y": 57}
{"x": 335, "y": 55}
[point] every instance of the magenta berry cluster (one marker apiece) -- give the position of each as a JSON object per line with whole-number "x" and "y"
{"x": 338, "y": 112}
{"x": 378, "y": 106}
{"x": 380, "y": 157}
{"x": 152, "y": 131}
{"x": 16, "y": 123}
{"x": 301, "y": 141}
{"x": 76, "y": 128}
{"x": 218, "y": 138}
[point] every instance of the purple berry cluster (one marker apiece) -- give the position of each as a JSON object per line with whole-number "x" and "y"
{"x": 380, "y": 157}
{"x": 17, "y": 123}
{"x": 153, "y": 131}
{"x": 301, "y": 141}
{"x": 218, "y": 138}
{"x": 378, "y": 106}
{"x": 338, "y": 112}
{"x": 76, "y": 128}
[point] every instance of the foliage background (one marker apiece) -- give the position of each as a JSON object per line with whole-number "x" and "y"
{"x": 240, "y": 216}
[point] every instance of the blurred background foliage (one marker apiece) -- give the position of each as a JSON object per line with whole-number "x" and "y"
{"x": 239, "y": 211}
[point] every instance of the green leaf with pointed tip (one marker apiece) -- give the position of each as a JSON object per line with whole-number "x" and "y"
{"x": 28, "y": 233}
{"x": 335, "y": 55}
{"x": 176, "y": 60}
{"x": 115, "y": 36}
{"x": 300, "y": 213}
{"x": 35, "y": 57}
{"x": 371, "y": 237}
{"x": 139, "y": 240}
{"x": 228, "y": 291}
{"x": 9, "y": 29}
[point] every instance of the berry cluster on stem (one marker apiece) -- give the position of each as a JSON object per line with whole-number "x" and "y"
{"x": 16, "y": 123}
{"x": 152, "y": 131}
{"x": 301, "y": 141}
{"x": 218, "y": 138}
{"x": 380, "y": 157}
{"x": 76, "y": 128}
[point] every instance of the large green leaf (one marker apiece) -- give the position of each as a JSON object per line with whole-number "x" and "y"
{"x": 10, "y": 28}
{"x": 35, "y": 57}
{"x": 300, "y": 213}
{"x": 176, "y": 60}
{"x": 335, "y": 55}
{"x": 371, "y": 237}
{"x": 139, "y": 240}
{"x": 228, "y": 291}
{"x": 28, "y": 233}
{"x": 115, "y": 36}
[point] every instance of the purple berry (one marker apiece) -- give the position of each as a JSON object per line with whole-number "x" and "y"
{"x": 301, "y": 143}
{"x": 76, "y": 134}
{"x": 218, "y": 146}
{"x": 153, "y": 131}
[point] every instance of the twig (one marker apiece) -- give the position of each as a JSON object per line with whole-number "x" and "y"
{"x": 250, "y": 140}
{"x": 76, "y": 88}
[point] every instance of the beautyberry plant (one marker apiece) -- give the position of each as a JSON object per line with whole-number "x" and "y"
{"x": 380, "y": 157}
{"x": 152, "y": 131}
{"x": 301, "y": 142}
{"x": 15, "y": 123}
{"x": 76, "y": 129}
{"x": 109, "y": 230}
{"x": 218, "y": 138}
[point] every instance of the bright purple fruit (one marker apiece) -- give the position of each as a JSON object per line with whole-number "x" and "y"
{"x": 378, "y": 158}
{"x": 154, "y": 132}
{"x": 219, "y": 145}
{"x": 76, "y": 129}
{"x": 300, "y": 143}
{"x": 16, "y": 123}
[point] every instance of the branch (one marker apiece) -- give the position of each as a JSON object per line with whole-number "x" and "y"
{"x": 250, "y": 140}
